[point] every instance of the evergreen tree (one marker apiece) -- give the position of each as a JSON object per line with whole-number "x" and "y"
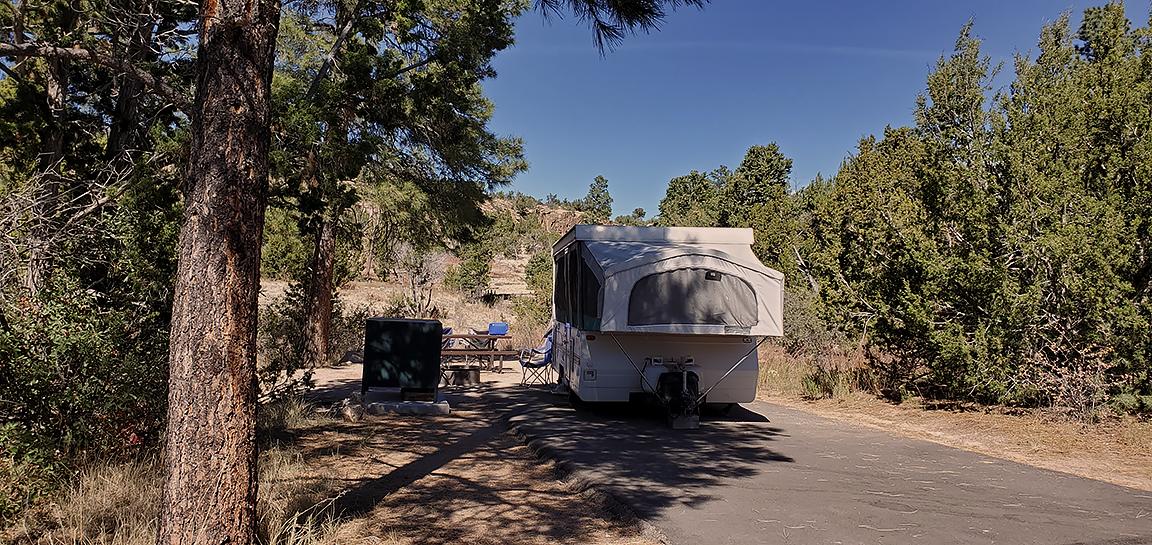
{"x": 693, "y": 200}
{"x": 756, "y": 195}
{"x": 597, "y": 203}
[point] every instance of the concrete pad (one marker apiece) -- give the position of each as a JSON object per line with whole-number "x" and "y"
{"x": 419, "y": 408}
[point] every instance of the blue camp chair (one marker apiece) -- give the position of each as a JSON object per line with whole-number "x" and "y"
{"x": 537, "y": 363}
{"x": 446, "y": 343}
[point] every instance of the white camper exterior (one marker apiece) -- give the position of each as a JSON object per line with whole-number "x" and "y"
{"x": 629, "y": 302}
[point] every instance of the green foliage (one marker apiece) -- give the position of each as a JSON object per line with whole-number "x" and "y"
{"x": 998, "y": 251}
{"x": 635, "y": 219}
{"x": 390, "y": 137}
{"x": 597, "y": 204}
{"x": 283, "y": 370}
{"x": 538, "y": 273}
{"x": 536, "y": 309}
{"x": 470, "y": 277}
{"x": 81, "y": 377}
{"x": 512, "y": 233}
{"x": 693, "y": 200}
{"x": 285, "y": 254}
{"x": 756, "y": 195}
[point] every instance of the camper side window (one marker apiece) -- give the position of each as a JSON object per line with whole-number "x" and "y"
{"x": 589, "y": 298}
{"x": 693, "y": 297}
{"x": 560, "y": 289}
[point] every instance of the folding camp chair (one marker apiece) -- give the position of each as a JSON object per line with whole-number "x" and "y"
{"x": 537, "y": 363}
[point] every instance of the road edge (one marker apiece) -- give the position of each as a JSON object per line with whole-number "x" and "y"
{"x": 582, "y": 481}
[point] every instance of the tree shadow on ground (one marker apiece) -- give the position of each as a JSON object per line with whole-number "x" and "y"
{"x": 451, "y": 479}
{"x": 447, "y": 478}
{"x": 645, "y": 463}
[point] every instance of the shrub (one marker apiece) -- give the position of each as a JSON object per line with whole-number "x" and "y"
{"x": 470, "y": 277}
{"x": 80, "y": 379}
{"x": 283, "y": 369}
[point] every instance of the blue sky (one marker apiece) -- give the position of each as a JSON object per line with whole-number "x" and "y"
{"x": 814, "y": 77}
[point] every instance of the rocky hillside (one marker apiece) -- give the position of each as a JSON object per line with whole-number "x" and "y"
{"x": 523, "y": 226}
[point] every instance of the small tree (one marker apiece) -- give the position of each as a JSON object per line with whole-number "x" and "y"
{"x": 421, "y": 271}
{"x": 636, "y": 218}
{"x": 597, "y": 204}
{"x": 693, "y": 200}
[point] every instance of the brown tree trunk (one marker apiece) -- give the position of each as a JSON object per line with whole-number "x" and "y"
{"x": 125, "y": 131}
{"x": 48, "y": 183}
{"x": 210, "y": 464}
{"x": 318, "y": 301}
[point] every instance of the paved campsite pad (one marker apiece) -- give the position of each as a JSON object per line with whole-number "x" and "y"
{"x": 799, "y": 478}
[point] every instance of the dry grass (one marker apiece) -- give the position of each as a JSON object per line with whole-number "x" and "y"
{"x": 112, "y": 504}
{"x": 118, "y": 503}
{"x": 454, "y": 480}
{"x": 832, "y": 375}
{"x": 781, "y": 374}
{"x": 383, "y": 481}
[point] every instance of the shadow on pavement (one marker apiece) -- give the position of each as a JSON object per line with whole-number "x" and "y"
{"x": 648, "y": 465}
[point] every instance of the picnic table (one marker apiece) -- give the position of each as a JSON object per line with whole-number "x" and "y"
{"x": 480, "y": 345}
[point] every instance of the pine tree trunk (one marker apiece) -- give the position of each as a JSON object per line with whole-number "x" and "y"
{"x": 48, "y": 183}
{"x": 125, "y": 130}
{"x": 318, "y": 307}
{"x": 210, "y": 465}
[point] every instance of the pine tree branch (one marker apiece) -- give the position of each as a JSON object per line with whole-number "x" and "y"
{"x": 78, "y": 53}
{"x": 331, "y": 58}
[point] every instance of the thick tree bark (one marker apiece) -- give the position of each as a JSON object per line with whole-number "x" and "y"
{"x": 210, "y": 465}
{"x": 318, "y": 305}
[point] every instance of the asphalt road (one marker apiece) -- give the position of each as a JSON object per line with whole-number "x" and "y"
{"x": 769, "y": 474}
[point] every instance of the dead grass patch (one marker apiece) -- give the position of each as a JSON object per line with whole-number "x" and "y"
{"x": 118, "y": 503}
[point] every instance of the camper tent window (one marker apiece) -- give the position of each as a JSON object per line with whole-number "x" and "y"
{"x": 589, "y": 297}
{"x": 560, "y": 288}
{"x": 692, "y": 296}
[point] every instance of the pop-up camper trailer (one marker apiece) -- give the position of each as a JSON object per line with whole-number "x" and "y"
{"x": 674, "y": 313}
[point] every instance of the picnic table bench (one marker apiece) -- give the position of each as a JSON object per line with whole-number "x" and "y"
{"x": 492, "y": 355}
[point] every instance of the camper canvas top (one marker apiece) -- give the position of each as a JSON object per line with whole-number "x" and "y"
{"x": 688, "y": 235}
{"x": 665, "y": 280}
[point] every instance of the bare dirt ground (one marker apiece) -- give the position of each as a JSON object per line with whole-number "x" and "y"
{"x": 451, "y": 479}
{"x": 1118, "y": 451}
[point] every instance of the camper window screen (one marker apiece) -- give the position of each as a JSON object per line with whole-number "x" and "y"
{"x": 589, "y": 298}
{"x": 560, "y": 289}
{"x": 692, "y": 296}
